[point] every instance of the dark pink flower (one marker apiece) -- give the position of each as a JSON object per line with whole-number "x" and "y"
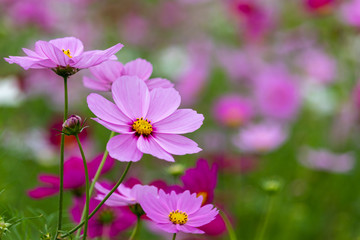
{"x": 175, "y": 213}
{"x": 233, "y": 110}
{"x": 74, "y": 176}
{"x": 107, "y": 222}
{"x": 63, "y": 52}
{"x": 321, "y": 6}
{"x": 106, "y": 73}
{"x": 149, "y": 121}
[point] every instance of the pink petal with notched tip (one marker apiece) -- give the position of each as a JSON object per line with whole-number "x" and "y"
{"x": 176, "y": 144}
{"x": 163, "y": 102}
{"x": 158, "y": 83}
{"x": 150, "y": 146}
{"x": 72, "y": 44}
{"x": 124, "y": 148}
{"x": 138, "y": 67}
{"x": 180, "y": 122}
{"x": 203, "y": 216}
{"x": 108, "y": 71}
{"x": 96, "y": 85}
{"x": 46, "y": 49}
{"x": 131, "y": 96}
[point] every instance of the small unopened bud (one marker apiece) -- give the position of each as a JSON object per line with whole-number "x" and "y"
{"x": 4, "y": 227}
{"x": 272, "y": 186}
{"x": 72, "y": 125}
{"x": 137, "y": 210}
{"x": 176, "y": 169}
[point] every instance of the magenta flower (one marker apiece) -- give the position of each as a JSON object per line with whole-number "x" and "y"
{"x": 175, "y": 213}
{"x": 124, "y": 196}
{"x": 232, "y": 110}
{"x": 324, "y": 160}
{"x": 263, "y": 137}
{"x": 106, "y": 73}
{"x": 65, "y": 52}
{"x": 108, "y": 222}
{"x": 321, "y": 6}
{"x": 74, "y": 177}
{"x": 350, "y": 13}
{"x": 149, "y": 121}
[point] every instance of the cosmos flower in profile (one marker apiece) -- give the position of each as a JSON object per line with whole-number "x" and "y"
{"x": 63, "y": 54}
{"x": 148, "y": 121}
{"x": 175, "y": 213}
{"x": 106, "y": 73}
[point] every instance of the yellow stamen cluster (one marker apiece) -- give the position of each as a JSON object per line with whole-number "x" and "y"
{"x": 67, "y": 53}
{"x": 178, "y": 217}
{"x": 142, "y": 126}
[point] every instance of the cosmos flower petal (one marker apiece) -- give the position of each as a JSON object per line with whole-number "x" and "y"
{"x": 138, "y": 67}
{"x": 150, "y": 146}
{"x": 106, "y": 110}
{"x": 203, "y": 216}
{"x": 189, "y": 229}
{"x": 158, "y": 83}
{"x": 189, "y": 206}
{"x": 31, "y": 62}
{"x": 93, "y": 58}
{"x": 114, "y": 127}
{"x": 96, "y": 85}
{"x": 168, "y": 227}
{"x": 177, "y": 144}
{"x": 123, "y": 148}
{"x": 53, "y": 53}
{"x": 42, "y": 192}
{"x": 132, "y": 96}
{"x": 163, "y": 102}
{"x": 72, "y": 44}
{"x": 187, "y": 120}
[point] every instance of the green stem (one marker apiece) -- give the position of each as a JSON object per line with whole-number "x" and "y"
{"x": 228, "y": 225}
{"x": 61, "y": 191}
{"x": 265, "y": 222}
{"x": 102, "y": 202}
{"x": 97, "y": 175}
{"x": 174, "y": 236}
{"x": 135, "y": 229}
{"x": 87, "y": 187}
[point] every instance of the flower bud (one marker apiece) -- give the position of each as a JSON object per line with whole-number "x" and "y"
{"x": 176, "y": 169}
{"x": 137, "y": 210}
{"x": 72, "y": 125}
{"x": 4, "y": 227}
{"x": 46, "y": 236}
{"x": 272, "y": 186}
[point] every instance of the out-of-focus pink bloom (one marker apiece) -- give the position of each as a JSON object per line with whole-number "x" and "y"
{"x": 232, "y": 110}
{"x": 74, "y": 176}
{"x": 276, "y": 94}
{"x": 149, "y": 121}
{"x": 325, "y": 160}
{"x": 320, "y": 6}
{"x": 201, "y": 180}
{"x": 63, "y": 52}
{"x": 135, "y": 29}
{"x": 108, "y": 222}
{"x": 350, "y": 13}
{"x": 124, "y": 196}
{"x": 256, "y": 19}
{"x": 175, "y": 213}
{"x": 106, "y": 73}
{"x": 193, "y": 79}
{"x": 318, "y": 65}
{"x": 356, "y": 95}
{"x": 32, "y": 12}
{"x": 170, "y": 14}
{"x": 260, "y": 138}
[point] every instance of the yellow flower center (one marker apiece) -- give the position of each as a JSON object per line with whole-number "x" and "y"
{"x": 67, "y": 53}
{"x": 142, "y": 126}
{"x": 204, "y": 196}
{"x": 178, "y": 217}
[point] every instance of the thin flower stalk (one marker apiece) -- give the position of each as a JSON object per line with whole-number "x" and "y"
{"x": 133, "y": 234}
{"x": 231, "y": 232}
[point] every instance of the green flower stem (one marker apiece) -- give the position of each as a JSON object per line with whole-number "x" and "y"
{"x": 61, "y": 193}
{"x": 87, "y": 187}
{"x": 135, "y": 229}
{"x": 97, "y": 175}
{"x": 102, "y": 202}
{"x": 232, "y": 235}
{"x": 174, "y": 236}
{"x": 265, "y": 222}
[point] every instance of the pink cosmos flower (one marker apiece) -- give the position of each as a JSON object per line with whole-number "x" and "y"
{"x": 124, "y": 196}
{"x": 350, "y": 13}
{"x": 63, "y": 52}
{"x": 175, "y": 213}
{"x": 232, "y": 110}
{"x": 277, "y": 94}
{"x": 106, "y": 73}
{"x": 149, "y": 121}
{"x": 108, "y": 222}
{"x": 263, "y": 137}
{"x": 74, "y": 177}
{"x": 325, "y": 160}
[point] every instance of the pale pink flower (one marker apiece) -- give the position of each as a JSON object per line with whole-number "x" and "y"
{"x": 350, "y": 13}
